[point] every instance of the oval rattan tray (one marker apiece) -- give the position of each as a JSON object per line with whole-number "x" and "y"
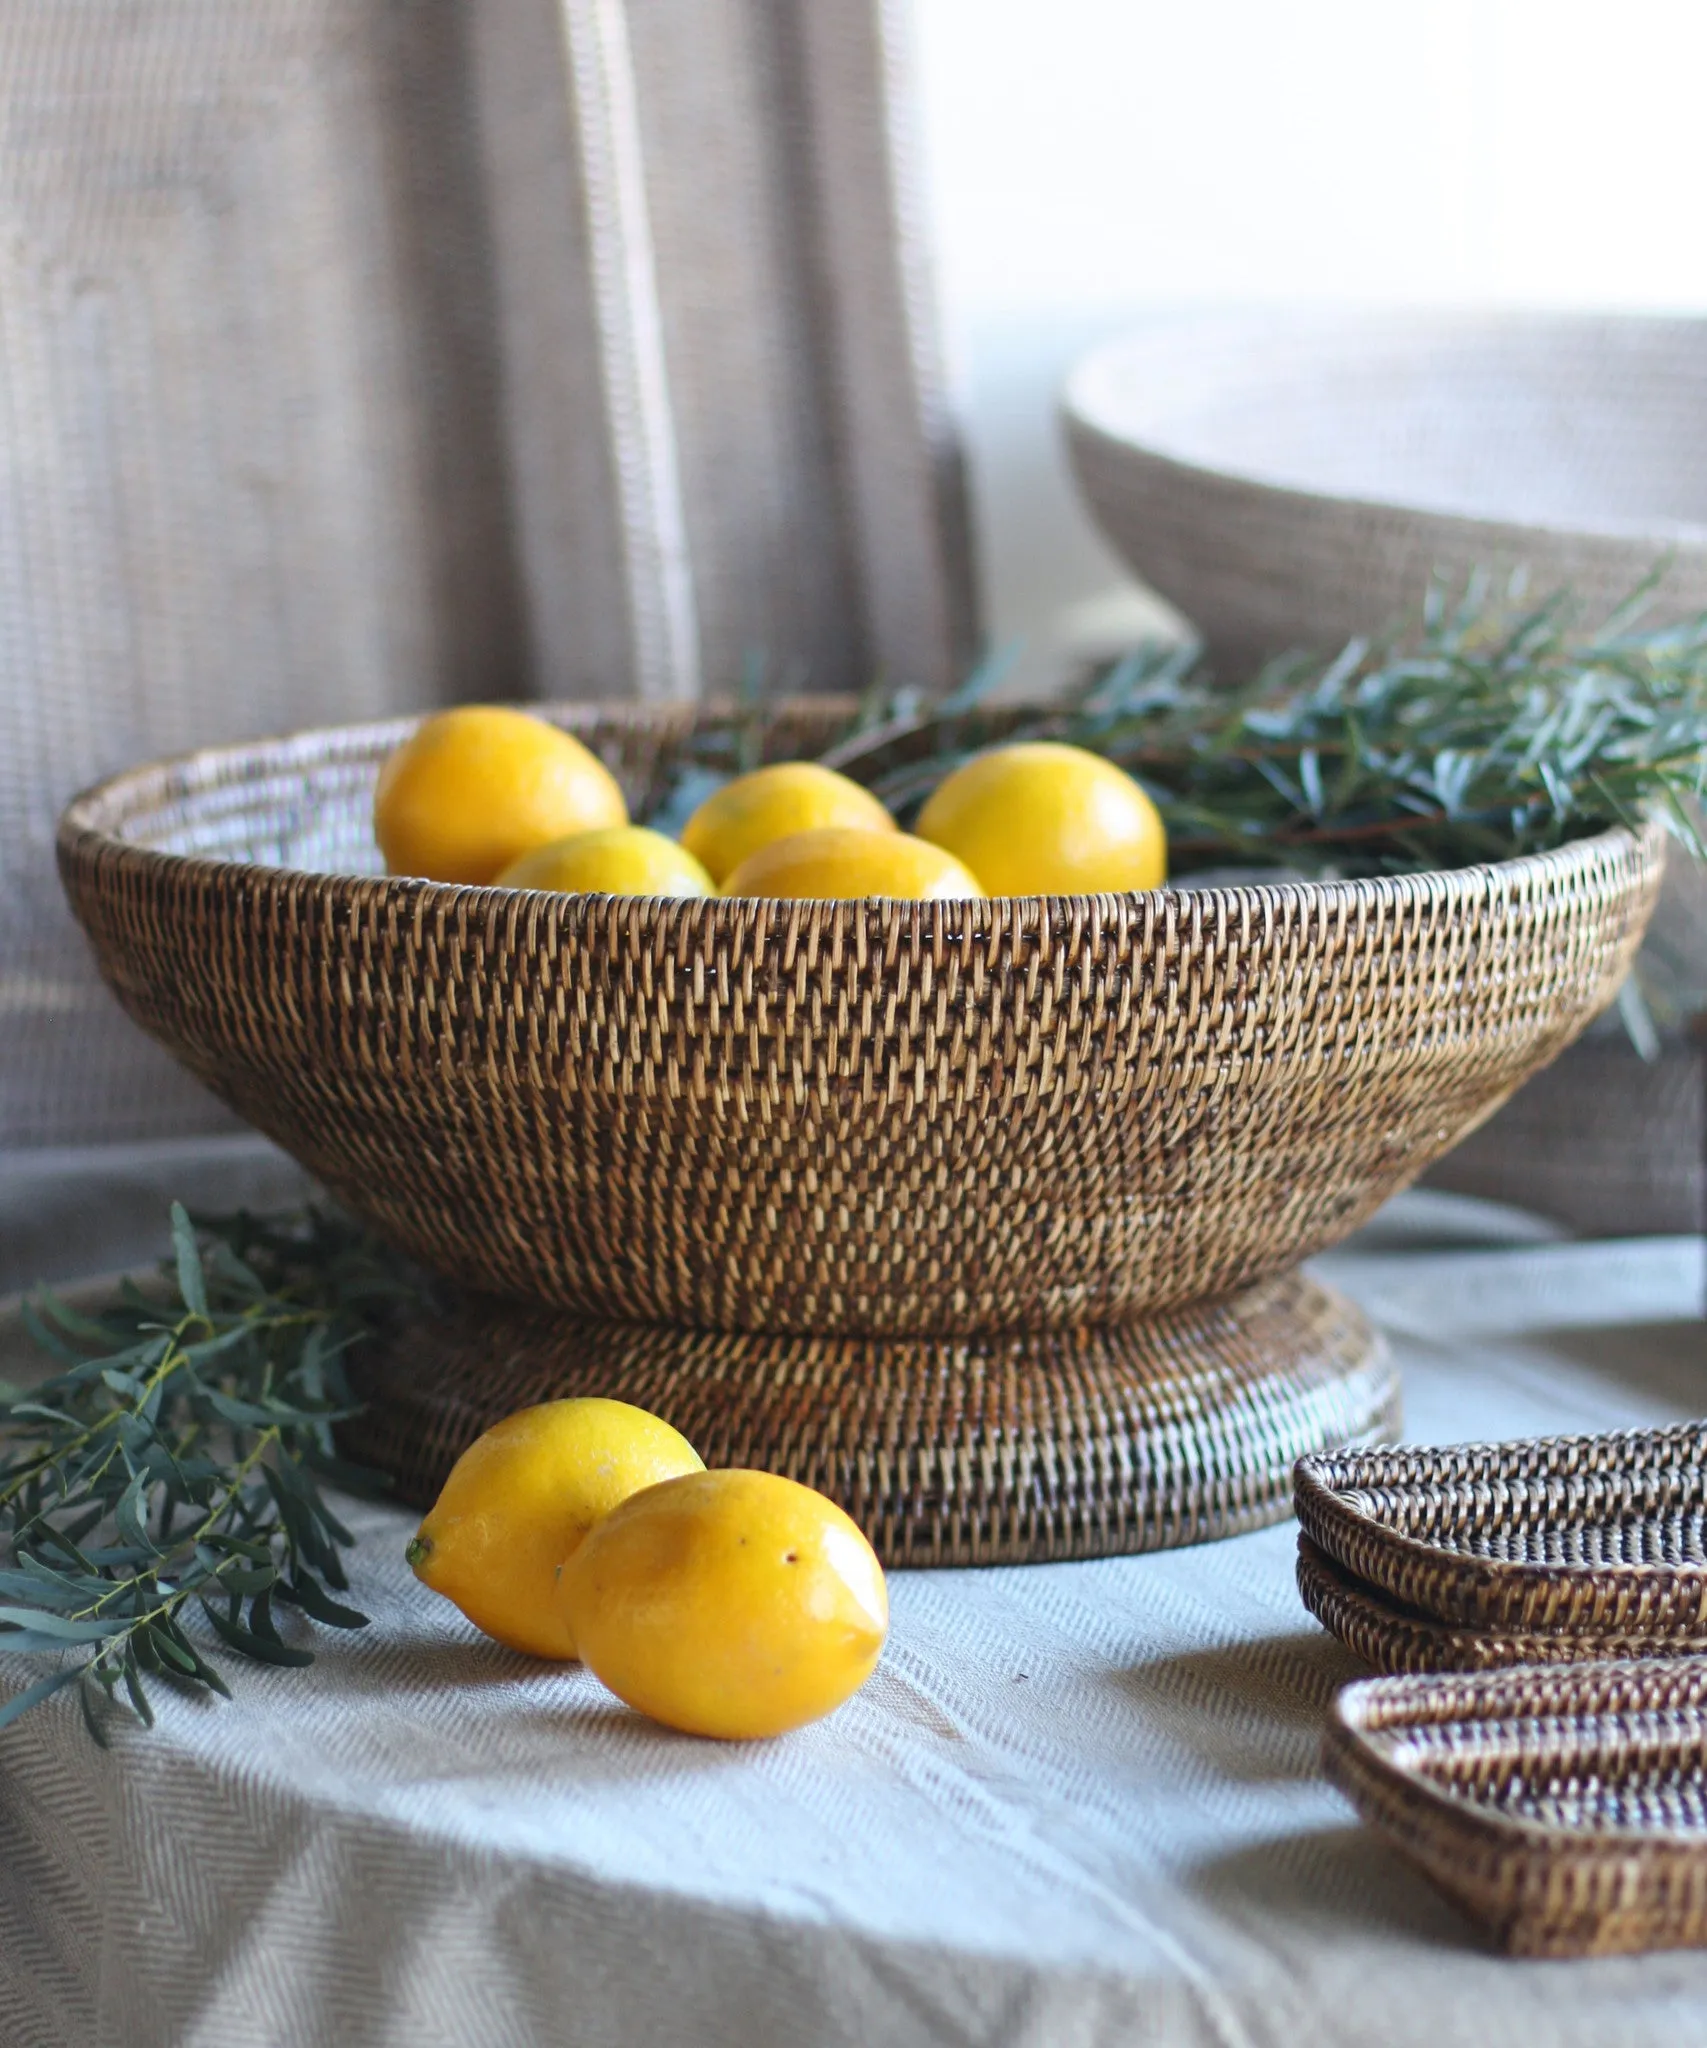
{"x": 1550, "y": 1549}
{"x": 1563, "y": 1810}
{"x": 1395, "y": 1640}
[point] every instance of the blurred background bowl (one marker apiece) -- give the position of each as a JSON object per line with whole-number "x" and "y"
{"x": 1294, "y": 479}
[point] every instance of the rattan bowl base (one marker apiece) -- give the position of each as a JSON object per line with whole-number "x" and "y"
{"x": 948, "y": 1451}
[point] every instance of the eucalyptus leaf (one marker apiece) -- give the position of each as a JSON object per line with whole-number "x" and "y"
{"x": 171, "y": 1653}
{"x": 33, "y": 1695}
{"x": 26, "y": 1642}
{"x": 42, "y": 1336}
{"x": 192, "y": 1284}
{"x": 131, "y": 1507}
{"x": 312, "y": 1599}
{"x": 86, "y": 1700}
{"x": 60, "y": 1628}
{"x": 37, "y": 1584}
{"x": 138, "y": 1698}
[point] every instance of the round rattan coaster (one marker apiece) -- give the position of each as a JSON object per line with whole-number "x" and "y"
{"x": 947, "y": 1451}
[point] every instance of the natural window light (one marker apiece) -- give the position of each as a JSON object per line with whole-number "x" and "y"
{"x": 1092, "y": 161}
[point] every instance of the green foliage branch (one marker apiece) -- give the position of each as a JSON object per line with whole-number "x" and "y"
{"x": 1491, "y": 732}
{"x": 170, "y": 1468}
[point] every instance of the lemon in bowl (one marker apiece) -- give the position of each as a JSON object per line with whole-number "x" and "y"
{"x": 1039, "y": 818}
{"x": 849, "y": 861}
{"x": 472, "y": 789}
{"x": 623, "y": 860}
{"x": 775, "y": 803}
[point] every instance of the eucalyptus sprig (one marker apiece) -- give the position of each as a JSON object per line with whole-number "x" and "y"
{"x": 168, "y": 1474}
{"x": 1488, "y": 733}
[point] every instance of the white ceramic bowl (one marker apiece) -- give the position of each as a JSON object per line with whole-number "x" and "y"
{"x": 1291, "y": 479}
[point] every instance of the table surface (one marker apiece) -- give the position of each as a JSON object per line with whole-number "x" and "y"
{"x": 1076, "y": 1804}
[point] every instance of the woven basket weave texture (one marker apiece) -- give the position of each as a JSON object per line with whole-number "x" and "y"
{"x": 1005, "y": 1449}
{"x": 1566, "y": 1811}
{"x": 863, "y": 1118}
{"x": 1293, "y": 478}
{"x": 1394, "y": 1639}
{"x": 1477, "y": 1555}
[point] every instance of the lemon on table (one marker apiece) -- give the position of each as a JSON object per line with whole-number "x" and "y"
{"x": 522, "y": 1497}
{"x": 623, "y": 860}
{"x": 728, "y": 1603}
{"x": 847, "y": 861}
{"x": 775, "y": 803}
{"x": 472, "y": 789}
{"x": 1040, "y": 818}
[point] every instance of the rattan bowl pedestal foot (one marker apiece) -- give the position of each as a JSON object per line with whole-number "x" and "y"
{"x": 958, "y": 1450}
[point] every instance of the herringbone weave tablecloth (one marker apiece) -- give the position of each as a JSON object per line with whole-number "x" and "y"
{"x": 1078, "y": 1804}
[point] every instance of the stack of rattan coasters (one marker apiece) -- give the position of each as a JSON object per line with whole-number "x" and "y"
{"x": 1546, "y": 1763}
{"x": 1468, "y": 1556}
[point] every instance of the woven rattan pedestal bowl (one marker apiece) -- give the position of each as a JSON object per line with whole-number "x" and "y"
{"x": 984, "y": 1217}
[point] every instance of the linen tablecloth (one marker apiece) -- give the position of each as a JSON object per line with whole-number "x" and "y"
{"x": 1077, "y": 1804}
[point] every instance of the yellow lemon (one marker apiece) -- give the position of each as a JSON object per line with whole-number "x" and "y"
{"x": 623, "y": 860}
{"x": 520, "y": 1499}
{"x": 844, "y": 860}
{"x": 1040, "y": 819}
{"x": 471, "y": 790}
{"x": 775, "y": 803}
{"x": 729, "y": 1603}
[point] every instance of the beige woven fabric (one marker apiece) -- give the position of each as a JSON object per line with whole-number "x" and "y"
{"x": 357, "y": 355}
{"x": 1079, "y": 1804}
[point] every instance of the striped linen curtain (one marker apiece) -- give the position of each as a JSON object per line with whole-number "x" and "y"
{"x": 360, "y": 355}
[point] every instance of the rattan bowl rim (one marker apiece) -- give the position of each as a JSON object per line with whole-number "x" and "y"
{"x": 1350, "y": 1734}
{"x": 91, "y": 820}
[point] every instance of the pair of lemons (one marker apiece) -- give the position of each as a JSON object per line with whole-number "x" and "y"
{"x": 485, "y": 794}
{"x": 731, "y": 1603}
